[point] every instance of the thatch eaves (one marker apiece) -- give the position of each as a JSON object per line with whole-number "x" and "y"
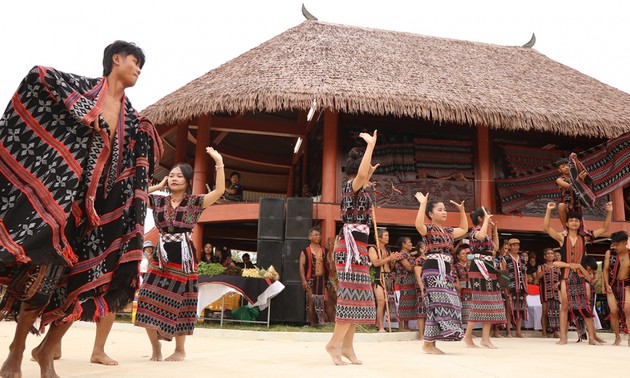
{"x": 380, "y": 72}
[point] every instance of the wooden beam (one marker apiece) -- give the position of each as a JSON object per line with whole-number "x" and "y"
{"x": 200, "y": 174}
{"x": 257, "y": 127}
{"x": 181, "y": 148}
{"x": 484, "y": 174}
{"x": 257, "y": 158}
{"x": 329, "y": 160}
{"x": 220, "y": 137}
{"x": 164, "y": 130}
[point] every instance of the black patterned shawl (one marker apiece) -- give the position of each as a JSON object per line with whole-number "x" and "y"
{"x": 63, "y": 202}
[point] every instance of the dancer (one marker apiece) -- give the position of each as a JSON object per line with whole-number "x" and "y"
{"x": 486, "y": 303}
{"x": 516, "y": 294}
{"x": 549, "y": 277}
{"x": 383, "y": 278}
{"x": 406, "y": 280}
{"x": 616, "y": 275}
{"x": 573, "y": 286}
{"x": 73, "y": 213}
{"x": 355, "y": 298}
{"x": 167, "y": 300}
{"x": 568, "y": 200}
{"x": 444, "y": 318}
{"x": 314, "y": 273}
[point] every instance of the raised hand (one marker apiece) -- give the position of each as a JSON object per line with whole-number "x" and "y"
{"x": 460, "y": 206}
{"x": 486, "y": 214}
{"x": 551, "y": 205}
{"x": 369, "y": 139}
{"x": 608, "y": 206}
{"x": 214, "y": 154}
{"x": 373, "y": 168}
{"x": 163, "y": 183}
{"x": 422, "y": 198}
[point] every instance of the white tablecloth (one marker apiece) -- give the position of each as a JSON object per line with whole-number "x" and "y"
{"x": 211, "y": 291}
{"x": 534, "y": 313}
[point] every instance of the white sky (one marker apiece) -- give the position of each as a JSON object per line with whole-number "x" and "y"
{"x": 184, "y": 39}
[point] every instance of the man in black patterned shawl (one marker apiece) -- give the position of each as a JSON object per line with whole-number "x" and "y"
{"x": 75, "y": 164}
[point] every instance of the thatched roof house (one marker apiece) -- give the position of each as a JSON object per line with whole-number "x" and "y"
{"x": 379, "y": 72}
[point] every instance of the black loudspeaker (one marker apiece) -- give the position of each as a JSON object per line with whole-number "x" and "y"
{"x": 271, "y": 219}
{"x": 289, "y": 305}
{"x": 299, "y": 217}
{"x": 269, "y": 252}
{"x": 291, "y": 259}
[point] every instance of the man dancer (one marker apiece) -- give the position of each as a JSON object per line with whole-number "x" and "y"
{"x": 516, "y": 294}
{"x": 548, "y": 276}
{"x": 616, "y": 275}
{"x": 314, "y": 272}
{"x": 574, "y": 290}
{"x": 77, "y": 201}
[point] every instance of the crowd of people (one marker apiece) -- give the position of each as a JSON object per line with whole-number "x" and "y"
{"x": 72, "y": 241}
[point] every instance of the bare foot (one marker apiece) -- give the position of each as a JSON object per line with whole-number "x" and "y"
{"x": 562, "y": 341}
{"x": 508, "y": 334}
{"x": 335, "y": 355}
{"x": 469, "y": 343}
{"x": 176, "y": 356}
{"x": 599, "y": 340}
{"x": 555, "y": 335}
{"x": 103, "y": 358}
{"x": 382, "y": 330}
{"x": 349, "y": 354}
{"x": 519, "y": 334}
{"x": 56, "y": 355}
{"x": 45, "y": 359}
{"x": 11, "y": 367}
{"x": 157, "y": 352}
{"x": 498, "y": 335}
{"x": 430, "y": 348}
{"x": 618, "y": 340}
{"x": 488, "y": 344}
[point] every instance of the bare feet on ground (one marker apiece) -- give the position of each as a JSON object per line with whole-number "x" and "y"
{"x": 562, "y": 341}
{"x": 488, "y": 344}
{"x": 470, "y": 343}
{"x": 176, "y": 356}
{"x": 519, "y": 334}
{"x": 349, "y": 354}
{"x": 103, "y": 358}
{"x": 46, "y": 362}
{"x": 430, "y": 348}
{"x": 56, "y": 356}
{"x": 600, "y": 340}
{"x": 157, "y": 352}
{"x": 592, "y": 341}
{"x": 11, "y": 368}
{"x": 335, "y": 354}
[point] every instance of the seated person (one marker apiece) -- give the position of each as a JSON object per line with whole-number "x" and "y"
{"x": 207, "y": 255}
{"x": 247, "y": 263}
{"x": 234, "y": 191}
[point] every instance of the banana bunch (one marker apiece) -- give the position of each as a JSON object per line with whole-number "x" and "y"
{"x": 253, "y": 273}
{"x": 272, "y": 274}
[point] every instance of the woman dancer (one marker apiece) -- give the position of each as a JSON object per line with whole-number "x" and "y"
{"x": 460, "y": 269}
{"x": 486, "y": 303}
{"x": 444, "y": 318}
{"x": 167, "y": 300}
{"x": 355, "y": 298}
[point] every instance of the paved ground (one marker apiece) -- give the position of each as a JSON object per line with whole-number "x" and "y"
{"x": 220, "y": 353}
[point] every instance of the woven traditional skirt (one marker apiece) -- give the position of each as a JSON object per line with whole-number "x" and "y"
{"x": 486, "y": 303}
{"x": 465, "y": 298}
{"x": 355, "y": 297}
{"x": 577, "y": 295}
{"x": 408, "y": 305}
{"x": 553, "y": 315}
{"x": 167, "y": 301}
{"x": 444, "y": 309}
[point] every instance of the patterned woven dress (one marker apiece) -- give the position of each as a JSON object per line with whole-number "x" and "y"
{"x": 355, "y": 297}
{"x": 577, "y": 293}
{"x": 518, "y": 287}
{"x": 444, "y": 309}
{"x": 549, "y": 294}
{"x": 486, "y": 303}
{"x": 408, "y": 305}
{"x": 167, "y": 300}
{"x": 460, "y": 272}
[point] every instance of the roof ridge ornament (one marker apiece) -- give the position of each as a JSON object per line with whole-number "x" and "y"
{"x": 531, "y": 42}
{"x": 307, "y": 14}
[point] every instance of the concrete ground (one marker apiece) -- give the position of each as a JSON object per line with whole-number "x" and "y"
{"x": 230, "y": 353}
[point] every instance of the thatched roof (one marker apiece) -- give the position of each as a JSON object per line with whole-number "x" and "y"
{"x": 380, "y": 72}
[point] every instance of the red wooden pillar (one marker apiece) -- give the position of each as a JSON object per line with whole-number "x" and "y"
{"x": 182, "y": 143}
{"x": 329, "y": 166}
{"x": 200, "y": 173}
{"x": 484, "y": 185}
{"x": 619, "y": 211}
